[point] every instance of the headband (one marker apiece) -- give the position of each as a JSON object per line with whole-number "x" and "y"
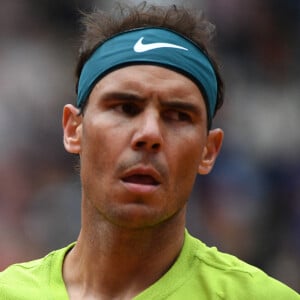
{"x": 154, "y": 46}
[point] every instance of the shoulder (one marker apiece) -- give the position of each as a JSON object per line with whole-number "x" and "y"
{"x": 29, "y": 279}
{"x": 230, "y": 275}
{"x": 28, "y": 271}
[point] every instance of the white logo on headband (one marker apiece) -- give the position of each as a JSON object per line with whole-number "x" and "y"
{"x": 140, "y": 47}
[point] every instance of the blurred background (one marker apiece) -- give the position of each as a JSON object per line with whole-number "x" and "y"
{"x": 248, "y": 206}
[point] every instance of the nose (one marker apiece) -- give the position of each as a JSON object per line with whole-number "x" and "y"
{"x": 148, "y": 135}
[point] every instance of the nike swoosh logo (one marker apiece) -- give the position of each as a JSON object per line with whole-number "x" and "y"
{"x": 140, "y": 47}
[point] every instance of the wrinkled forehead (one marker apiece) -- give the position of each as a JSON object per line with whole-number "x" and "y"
{"x": 148, "y": 81}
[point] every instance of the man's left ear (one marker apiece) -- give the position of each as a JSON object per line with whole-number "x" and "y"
{"x": 211, "y": 151}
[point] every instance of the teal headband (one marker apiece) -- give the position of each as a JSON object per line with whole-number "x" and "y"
{"x": 154, "y": 46}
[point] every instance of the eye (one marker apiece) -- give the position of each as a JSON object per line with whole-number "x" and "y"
{"x": 178, "y": 116}
{"x": 128, "y": 108}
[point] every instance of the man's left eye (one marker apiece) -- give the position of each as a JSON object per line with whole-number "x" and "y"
{"x": 177, "y": 116}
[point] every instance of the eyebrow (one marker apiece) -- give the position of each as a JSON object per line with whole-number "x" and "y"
{"x": 128, "y": 96}
{"x": 182, "y": 106}
{"x": 122, "y": 96}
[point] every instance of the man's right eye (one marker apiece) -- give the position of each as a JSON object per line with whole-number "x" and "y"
{"x": 130, "y": 109}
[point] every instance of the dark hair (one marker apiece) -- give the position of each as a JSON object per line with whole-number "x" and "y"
{"x": 101, "y": 25}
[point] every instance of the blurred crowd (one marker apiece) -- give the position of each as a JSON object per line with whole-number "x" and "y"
{"x": 249, "y": 205}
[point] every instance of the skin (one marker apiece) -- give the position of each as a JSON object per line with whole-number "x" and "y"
{"x": 142, "y": 140}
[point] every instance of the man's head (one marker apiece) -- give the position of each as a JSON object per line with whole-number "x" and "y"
{"x": 107, "y": 27}
{"x": 142, "y": 137}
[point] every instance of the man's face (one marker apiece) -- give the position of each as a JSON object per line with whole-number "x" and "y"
{"x": 142, "y": 140}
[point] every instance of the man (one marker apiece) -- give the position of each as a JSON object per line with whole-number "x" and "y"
{"x": 148, "y": 90}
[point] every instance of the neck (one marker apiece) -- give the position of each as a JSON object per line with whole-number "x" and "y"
{"x": 120, "y": 262}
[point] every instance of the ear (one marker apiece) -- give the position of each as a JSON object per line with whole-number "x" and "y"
{"x": 211, "y": 151}
{"x": 72, "y": 126}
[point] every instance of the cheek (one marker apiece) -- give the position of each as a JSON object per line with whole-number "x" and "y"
{"x": 191, "y": 149}
{"x": 93, "y": 152}
{"x": 187, "y": 163}
{"x": 188, "y": 169}
{"x": 102, "y": 144}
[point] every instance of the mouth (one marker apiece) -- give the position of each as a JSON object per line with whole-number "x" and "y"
{"x": 141, "y": 179}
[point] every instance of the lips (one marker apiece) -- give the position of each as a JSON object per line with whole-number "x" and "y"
{"x": 146, "y": 176}
{"x": 141, "y": 179}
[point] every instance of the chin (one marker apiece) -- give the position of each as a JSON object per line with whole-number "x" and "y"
{"x": 137, "y": 216}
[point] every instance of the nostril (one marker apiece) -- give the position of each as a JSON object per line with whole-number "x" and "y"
{"x": 140, "y": 144}
{"x": 143, "y": 145}
{"x": 155, "y": 146}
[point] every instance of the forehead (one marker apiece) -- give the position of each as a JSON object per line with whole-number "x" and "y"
{"x": 151, "y": 78}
